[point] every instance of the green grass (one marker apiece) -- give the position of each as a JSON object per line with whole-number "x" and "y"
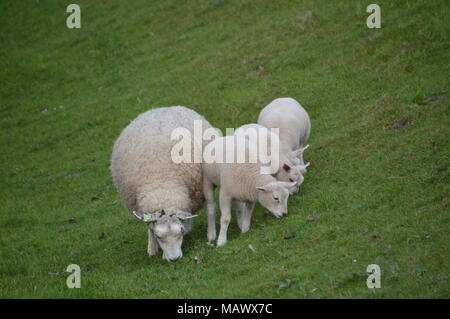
{"x": 382, "y": 193}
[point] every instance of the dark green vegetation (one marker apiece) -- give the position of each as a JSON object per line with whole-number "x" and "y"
{"x": 382, "y": 192}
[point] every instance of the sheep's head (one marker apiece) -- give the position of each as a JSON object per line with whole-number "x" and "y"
{"x": 292, "y": 173}
{"x": 274, "y": 197}
{"x": 168, "y": 228}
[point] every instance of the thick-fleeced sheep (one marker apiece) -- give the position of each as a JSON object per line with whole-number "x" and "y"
{"x": 152, "y": 186}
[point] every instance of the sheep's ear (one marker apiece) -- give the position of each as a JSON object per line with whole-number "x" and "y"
{"x": 300, "y": 151}
{"x": 261, "y": 189}
{"x": 287, "y": 184}
{"x": 302, "y": 168}
{"x": 184, "y": 215}
{"x": 286, "y": 167}
{"x": 147, "y": 217}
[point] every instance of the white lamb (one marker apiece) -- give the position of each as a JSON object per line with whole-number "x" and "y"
{"x": 155, "y": 189}
{"x": 241, "y": 182}
{"x": 291, "y": 119}
{"x": 289, "y": 169}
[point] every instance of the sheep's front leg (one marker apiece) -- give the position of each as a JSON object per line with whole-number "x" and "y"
{"x": 225, "y": 209}
{"x": 246, "y": 216}
{"x": 208, "y": 191}
{"x": 153, "y": 245}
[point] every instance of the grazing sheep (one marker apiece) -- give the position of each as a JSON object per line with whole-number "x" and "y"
{"x": 241, "y": 182}
{"x": 293, "y": 123}
{"x": 289, "y": 168}
{"x": 156, "y": 190}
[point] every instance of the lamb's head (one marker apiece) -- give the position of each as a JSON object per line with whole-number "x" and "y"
{"x": 274, "y": 197}
{"x": 292, "y": 173}
{"x": 296, "y": 156}
{"x": 168, "y": 228}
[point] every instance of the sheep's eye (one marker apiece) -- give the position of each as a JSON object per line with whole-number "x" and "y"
{"x": 291, "y": 180}
{"x": 277, "y": 199}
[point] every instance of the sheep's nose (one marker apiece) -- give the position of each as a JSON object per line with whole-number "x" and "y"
{"x": 173, "y": 259}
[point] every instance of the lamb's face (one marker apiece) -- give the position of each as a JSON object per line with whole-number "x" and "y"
{"x": 291, "y": 174}
{"x": 274, "y": 197}
{"x": 168, "y": 228}
{"x": 294, "y": 160}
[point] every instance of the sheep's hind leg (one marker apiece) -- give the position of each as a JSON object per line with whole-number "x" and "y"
{"x": 153, "y": 245}
{"x": 246, "y": 216}
{"x": 239, "y": 207}
{"x": 208, "y": 191}
{"x": 225, "y": 210}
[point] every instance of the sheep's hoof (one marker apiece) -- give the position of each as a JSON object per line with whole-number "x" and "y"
{"x": 221, "y": 243}
{"x": 210, "y": 244}
{"x": 245, "y": 229}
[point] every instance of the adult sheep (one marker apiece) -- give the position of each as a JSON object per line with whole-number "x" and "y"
{"x": 155, "y": 189}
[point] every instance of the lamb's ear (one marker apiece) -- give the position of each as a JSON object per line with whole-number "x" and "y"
{"x": 305, "y": 166}
{"x": 286, "y": 167}
{"x": 300, "y": 151}
{"x": 302, "y": 168}
{"x": 287, "y": 184}
{"x": 184, "y": 215}
{"x": 147, "y": 217}
{"x": 261, "y": 189}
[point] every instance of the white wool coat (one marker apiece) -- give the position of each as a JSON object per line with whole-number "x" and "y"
{"x": 291, "y": 119}
{"x": 142, "y": 168}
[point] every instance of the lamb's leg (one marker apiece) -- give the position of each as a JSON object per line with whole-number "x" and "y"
{"x": 208, "y": 191}
{"x": 153, "y": 245}
{"x": 246, "y": 216}
{"x": 225, "y": 209}
{"x": 239, "y": 207}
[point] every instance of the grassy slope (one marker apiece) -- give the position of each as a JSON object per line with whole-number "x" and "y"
{"x": 382, "y": 193}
